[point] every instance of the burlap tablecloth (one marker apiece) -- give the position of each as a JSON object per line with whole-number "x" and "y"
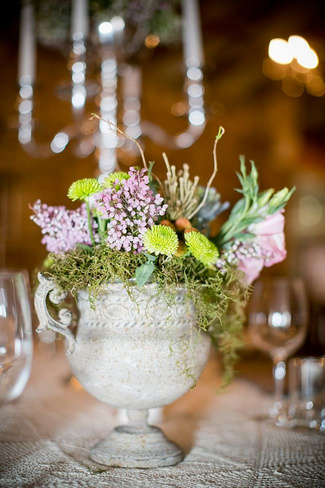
{"x": 46, "y": 436}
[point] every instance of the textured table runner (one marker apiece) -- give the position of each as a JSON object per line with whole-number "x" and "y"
{"x": 46, "y": 435}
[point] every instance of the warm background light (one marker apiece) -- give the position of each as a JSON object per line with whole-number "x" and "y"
{"x": 283, "y": 52}
{"x": 298, "y": 45}
{"x": 308, "y": 59}
{"x": 152, "y": 41}
{"x": 280, "y": 52}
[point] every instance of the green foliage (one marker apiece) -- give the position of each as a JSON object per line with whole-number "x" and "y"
{"x": 151, "y": 165}
{"x": 80, "y": 270}
{"x": 254, "y": 207}
{"x": 144, "y": 272}
{"x": 280, "y": 199}
{"x": 219, "y": 299}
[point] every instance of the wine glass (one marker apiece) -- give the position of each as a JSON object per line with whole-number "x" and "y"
{"x": 278, "y": 326}
{"x": 16, "y": 342}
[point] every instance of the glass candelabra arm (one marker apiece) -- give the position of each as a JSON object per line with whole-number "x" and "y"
{"x": 179, "y": 141}
{"x": 196, "y": 115}
{"x": 47, "y": 288}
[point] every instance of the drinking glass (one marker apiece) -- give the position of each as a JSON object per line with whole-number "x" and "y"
{"x": 278, "y": 326}
{"x": 16, "y": 343}
{"x": 307, "y": 393}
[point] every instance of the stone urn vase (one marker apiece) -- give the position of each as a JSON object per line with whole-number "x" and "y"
{"x": 133, "y": 351}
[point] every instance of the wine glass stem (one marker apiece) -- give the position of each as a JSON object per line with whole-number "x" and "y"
{"x": 279, "y": 374}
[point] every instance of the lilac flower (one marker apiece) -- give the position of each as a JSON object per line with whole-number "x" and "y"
{"x": 130, "y": 210}
{"x": 63, "y": 229}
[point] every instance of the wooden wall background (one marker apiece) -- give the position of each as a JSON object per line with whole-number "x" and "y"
{"x": 283, "y": 135}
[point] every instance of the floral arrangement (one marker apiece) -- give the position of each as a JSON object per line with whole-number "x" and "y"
{"x": 137, "y": 229}
{"x": 153, "y": 17}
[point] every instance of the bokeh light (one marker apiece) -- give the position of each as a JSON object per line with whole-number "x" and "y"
{"x": 280, "y": 52}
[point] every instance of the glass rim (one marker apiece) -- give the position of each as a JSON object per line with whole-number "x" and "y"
{"x": 11, "y": 272}
{"x": 307, "y": 359}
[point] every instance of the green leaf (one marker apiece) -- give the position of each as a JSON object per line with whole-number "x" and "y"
{"x": 264, "y": 197}
{"x": 238, "y": 207}
{"x": 242, "y": 166}
{"x": 151, "y": 163}
{"x": 143, "y": 272}
{"x": 84, "y": 247}
{"x": 280, "y": 199}
{"x": 274, "y": 210}
{"x": 244, "y": 236}
{"x": 101, "y": 223}
{"x": 241, "y": 179}
{"x": 251, "y": 220}
{"x": 150, "y": 257}
{"x": 254, "y": 173}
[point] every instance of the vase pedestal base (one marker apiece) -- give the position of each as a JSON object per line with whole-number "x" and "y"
{"x": 127, "y": 447}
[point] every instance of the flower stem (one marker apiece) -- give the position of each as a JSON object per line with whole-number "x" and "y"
{"x": 101, "y": 225}
{"x": 89, "y": 223}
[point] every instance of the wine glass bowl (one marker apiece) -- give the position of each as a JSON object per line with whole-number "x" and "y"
{"x": 15, "y": 335}
{"x": 278, "y": 316}
{"x": 278, "y": 325}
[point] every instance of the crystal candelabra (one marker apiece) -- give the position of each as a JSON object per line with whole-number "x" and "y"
{"x": 114, "y": 76}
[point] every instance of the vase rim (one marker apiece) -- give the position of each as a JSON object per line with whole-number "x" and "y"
{"x": 119, "y": 285}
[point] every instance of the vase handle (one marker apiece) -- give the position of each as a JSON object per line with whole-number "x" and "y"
{"x": 48, "y": 288}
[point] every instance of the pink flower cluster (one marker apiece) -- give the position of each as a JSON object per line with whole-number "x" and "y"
{"x": 270, "y": 244}
{"x": 63, "y": 229}
{"x": 265, "y": 249}
{"x": 131, "y": 210}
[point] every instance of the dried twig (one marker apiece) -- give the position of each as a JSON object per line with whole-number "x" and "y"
{"x": 113, "y": 126}
{"x": 215, "y": 169}
{"x": 179, "y": 191}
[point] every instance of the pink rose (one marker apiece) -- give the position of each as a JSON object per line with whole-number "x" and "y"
{"x": 270, "y": 246}
{"x": 270, "y": 236}
{"x": 251, "y": 267}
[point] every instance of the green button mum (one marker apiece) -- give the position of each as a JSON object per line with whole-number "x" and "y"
{"x": 118, "y": 175}
{"x": 201, "y": 248}
{"x": 82, "y": 189}
{"x": 161, "y": 239}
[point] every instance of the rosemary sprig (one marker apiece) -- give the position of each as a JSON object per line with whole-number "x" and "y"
{"x": 252, "y": 208}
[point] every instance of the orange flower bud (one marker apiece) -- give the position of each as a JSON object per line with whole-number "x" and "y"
{"x": 191, "y": 229}
{"x": 182, "y": 223}
{"x": 168, "y": 223}
{"x": 182, "y": 249}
